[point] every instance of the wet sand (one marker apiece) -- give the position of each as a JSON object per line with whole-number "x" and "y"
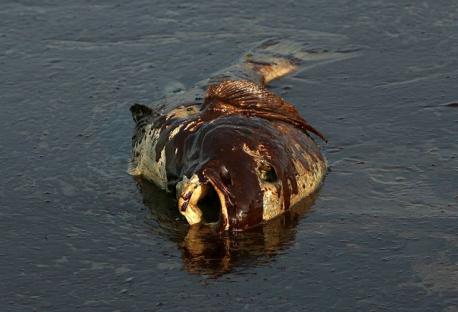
{"x": 78, "y": 233}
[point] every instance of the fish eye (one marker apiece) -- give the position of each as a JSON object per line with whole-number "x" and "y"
{"x": 267, "y": 173}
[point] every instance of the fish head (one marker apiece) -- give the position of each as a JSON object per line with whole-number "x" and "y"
{"x": 239, "y": 173}
{"x": 238, "y": 158}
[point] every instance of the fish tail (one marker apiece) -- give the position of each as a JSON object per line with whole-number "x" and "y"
{"x": 275, "y": 58}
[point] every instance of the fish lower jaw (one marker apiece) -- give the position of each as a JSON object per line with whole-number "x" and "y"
{"x": 202, "y": 203}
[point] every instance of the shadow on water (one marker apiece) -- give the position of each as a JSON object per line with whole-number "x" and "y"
{"x": 207, "y": 252}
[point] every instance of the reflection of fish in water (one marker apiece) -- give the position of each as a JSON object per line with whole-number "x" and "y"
{"x": 210, "y": 254}
{"x": 207, "y": 252}
{"x": 235, "y": 153}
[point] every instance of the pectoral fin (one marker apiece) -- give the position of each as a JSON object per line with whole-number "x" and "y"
{"x": 139, "y": 111}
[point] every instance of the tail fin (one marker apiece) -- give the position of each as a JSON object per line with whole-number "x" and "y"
{"x": 273, "y": 58}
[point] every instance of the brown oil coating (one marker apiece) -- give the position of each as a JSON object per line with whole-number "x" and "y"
{"x": 215, "y": 151}
{"x": 212, "y": 144}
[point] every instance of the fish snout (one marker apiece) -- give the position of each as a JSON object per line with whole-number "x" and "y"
{"x": 202, "y": 203}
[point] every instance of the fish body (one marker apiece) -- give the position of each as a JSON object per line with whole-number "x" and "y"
{"x": 234, "y": 153}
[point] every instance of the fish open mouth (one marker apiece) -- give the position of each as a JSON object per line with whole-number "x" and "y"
{"x": 202, "y": 202}
{"x": 210, "y": 205}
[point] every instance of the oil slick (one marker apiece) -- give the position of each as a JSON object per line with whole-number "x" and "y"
{"x": 234, "y": 153}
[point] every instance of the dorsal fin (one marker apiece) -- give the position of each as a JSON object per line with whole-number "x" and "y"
{"x": 248, "y": 98}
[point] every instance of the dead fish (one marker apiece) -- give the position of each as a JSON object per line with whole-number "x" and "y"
{"x": 235, "y": 153}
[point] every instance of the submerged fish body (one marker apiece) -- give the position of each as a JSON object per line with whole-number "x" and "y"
{"x": 240, "y": 156}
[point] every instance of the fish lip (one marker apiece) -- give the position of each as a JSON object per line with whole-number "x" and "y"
{"x": 192, "y": 191}
{"x": 223, "y": 218}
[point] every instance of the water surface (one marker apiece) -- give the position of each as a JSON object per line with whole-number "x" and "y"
{"x": 78, "y": 233}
